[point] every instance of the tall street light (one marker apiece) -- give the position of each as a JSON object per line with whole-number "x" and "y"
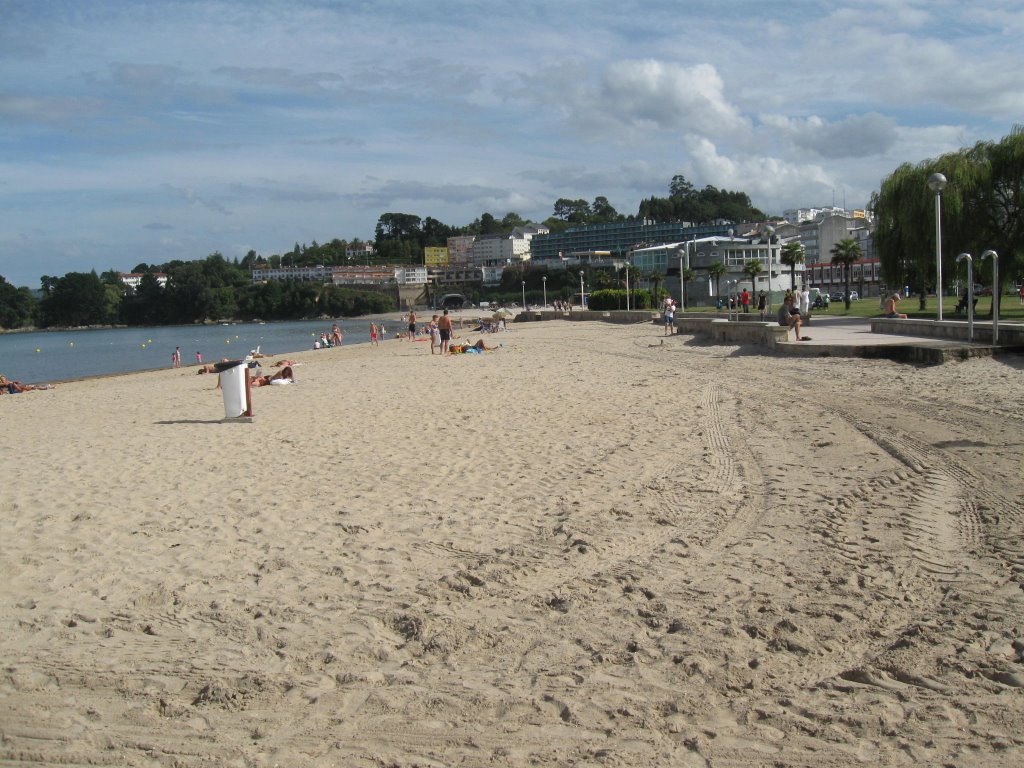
{"x": 937, "y": 183}
{"x": 583, "y": 300}
{"x": 995, "y": 292}
{"x": 769, "y": 231}
{"x": 627, "y": 287}
{"x": 544, "y": 280}
{"x": 524, "y": 295}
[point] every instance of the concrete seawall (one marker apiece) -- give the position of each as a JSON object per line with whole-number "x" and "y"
{"x": 1010, "y": 334}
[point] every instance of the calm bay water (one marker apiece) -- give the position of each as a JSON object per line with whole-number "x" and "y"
{"x": 46, "y": 356}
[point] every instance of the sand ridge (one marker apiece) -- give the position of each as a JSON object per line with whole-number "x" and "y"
{"x": 586, "y": 547}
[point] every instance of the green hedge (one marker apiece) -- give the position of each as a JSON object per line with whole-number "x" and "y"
{"x": 615, "y": 298}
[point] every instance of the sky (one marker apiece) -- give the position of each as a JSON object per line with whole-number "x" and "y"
{"x": 145, "y": 131}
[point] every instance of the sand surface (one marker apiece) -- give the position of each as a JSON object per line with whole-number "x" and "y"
{"x": 586, "y": 548}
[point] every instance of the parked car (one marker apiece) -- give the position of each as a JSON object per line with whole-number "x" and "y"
{"x": 840, "y": 296}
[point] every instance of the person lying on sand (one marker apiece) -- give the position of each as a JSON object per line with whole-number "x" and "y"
{"x": 478, "y": 346}
{"x": 284, "y": 375}
{"x": 279, "y": 363}
{"x": 16, "y": 387}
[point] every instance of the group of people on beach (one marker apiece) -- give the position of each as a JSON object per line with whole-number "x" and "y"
{"x": 328, "y": 339}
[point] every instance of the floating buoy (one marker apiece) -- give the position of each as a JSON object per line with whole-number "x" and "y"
{"x": 38, "y": 349}
{"x": 227, "y": 341}
{"x": 143, "y": 346}
{"x": 71, "y": 343}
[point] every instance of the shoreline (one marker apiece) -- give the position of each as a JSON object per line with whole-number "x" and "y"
{"x": 18, "y": 365}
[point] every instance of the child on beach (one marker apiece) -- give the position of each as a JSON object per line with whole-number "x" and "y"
{"x": 373, "y": 334}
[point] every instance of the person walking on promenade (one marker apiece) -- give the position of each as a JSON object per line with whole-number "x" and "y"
{"x": 745, "y": 300}
{"x": 762, "y": 304}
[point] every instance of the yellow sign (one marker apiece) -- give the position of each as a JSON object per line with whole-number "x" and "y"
{"x": 433, "y": 257}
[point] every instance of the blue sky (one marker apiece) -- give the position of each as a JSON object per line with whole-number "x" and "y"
{"x": 148, "y": 131}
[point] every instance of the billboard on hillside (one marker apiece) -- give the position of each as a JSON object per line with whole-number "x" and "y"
{"x": 434, "y": 257}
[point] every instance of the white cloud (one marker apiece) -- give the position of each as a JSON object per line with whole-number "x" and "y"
{"x": 771, "y": 182}
{"x": 658, "y": 95}
{"x": 854, "y": 136}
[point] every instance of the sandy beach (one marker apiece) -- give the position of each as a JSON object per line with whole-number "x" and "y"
{"x": 594, "y": 546}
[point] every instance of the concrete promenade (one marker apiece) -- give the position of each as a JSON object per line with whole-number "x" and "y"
{"x": 912, "y": 341}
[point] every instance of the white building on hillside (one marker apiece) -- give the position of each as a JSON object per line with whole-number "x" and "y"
{"x": 359, "y": 251}
{"x": 134, "y": 279}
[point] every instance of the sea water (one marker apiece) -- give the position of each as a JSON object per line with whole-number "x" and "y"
{"x": 49, "y": 356}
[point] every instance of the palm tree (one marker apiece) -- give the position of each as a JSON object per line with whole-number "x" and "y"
{"x": 846, "y": 252}
{"x": 752, "y": 269}
{"x": 655, "y": 278}
{"x": 792, "y": 254}
{"x": 687, "y": 275}
{"x": 717, "y": 270}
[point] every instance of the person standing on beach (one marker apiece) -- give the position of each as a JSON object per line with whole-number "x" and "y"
{"x": 435, "y": 334}
{"x": 670, "y": 314}
{"x": 444, "y": 328}
{"x": 176, "y": 358}
{"x": 199, "y": 358}
{"x": 373, "y": 334}
{"x": 412, "y": 325}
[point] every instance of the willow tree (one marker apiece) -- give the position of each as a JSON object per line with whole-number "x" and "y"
{"x": 846, "y": 252}
{"x": 791, "y": 255}
{"x": 996, "y": 206}
{"x": 982, "y": 208}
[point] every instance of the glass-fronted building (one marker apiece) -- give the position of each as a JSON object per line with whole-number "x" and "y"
{"x": 618, "y": 238}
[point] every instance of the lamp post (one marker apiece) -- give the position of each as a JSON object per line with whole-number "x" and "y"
{"x": 769, "y": 231}
{"x": 731, "y": 285}
{"x": 627, "y": 287}
{"x": 995, "y": 292}
{"x": 937, "y": 183}
{"x": 583, "y": 299}
{"x": 970, "y": 294}
{"x": 524, "y": 295}
{"x": 544, "y": 280}
{"x": 682, "y": 285}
